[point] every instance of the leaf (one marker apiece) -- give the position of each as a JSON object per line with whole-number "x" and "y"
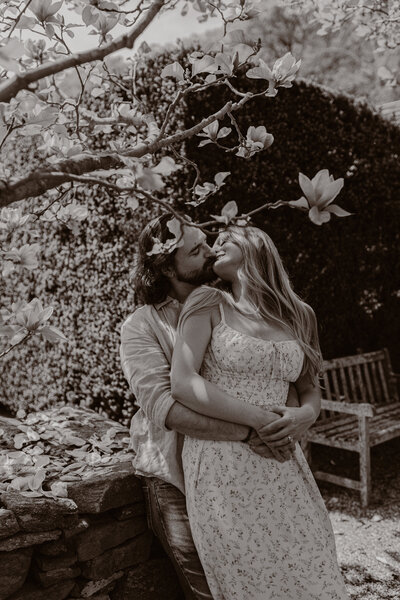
{"x": 174, "y": 70}
{"x": 223, "y": 132}
{"x": 59, "y": 489}
{"x": 206, "y": 64}
{"x": 89, "y": 15}
{"x": 237, "y": 36}
{"x": 166, "y": 166}
{"x": 230, "y": 210}
{"x": 11, "y": 51}
{"x": 132, "y": 203}
{"x": 220, "y": 178}
{"x": 52, "y": 334}
{"x": 260, "y": 72}
{"x": 149, "y": 180}
{"x": 175, "y": 228}
{"x": 46, "y": 117}
{"x": 35, "y": 482}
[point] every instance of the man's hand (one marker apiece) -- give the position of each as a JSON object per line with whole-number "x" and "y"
{"x": 260, "y": 448}
{"x": 282, "y": 433}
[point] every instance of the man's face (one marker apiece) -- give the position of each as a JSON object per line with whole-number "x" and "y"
{"x": 194, "y": 260}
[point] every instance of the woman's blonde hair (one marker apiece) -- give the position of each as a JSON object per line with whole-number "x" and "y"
{"x": 267, "y": 288}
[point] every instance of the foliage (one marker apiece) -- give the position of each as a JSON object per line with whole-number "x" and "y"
{"x": 348, "y": 264}
{"x": 40, "y": 453}
{"x": 347, "y": 270}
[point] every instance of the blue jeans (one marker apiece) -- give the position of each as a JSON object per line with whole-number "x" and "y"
{"x": 168, "y": 519}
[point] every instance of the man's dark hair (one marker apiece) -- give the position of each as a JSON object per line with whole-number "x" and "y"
{"x": 151, "y": 285}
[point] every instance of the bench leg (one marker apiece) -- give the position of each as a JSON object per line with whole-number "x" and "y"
{"x": 365, "y": 461}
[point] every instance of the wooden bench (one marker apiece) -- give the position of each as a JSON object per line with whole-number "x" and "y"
{"x": 360, "y": 409}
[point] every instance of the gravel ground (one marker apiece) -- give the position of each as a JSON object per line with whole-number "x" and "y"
{"x": 367, "y": 540}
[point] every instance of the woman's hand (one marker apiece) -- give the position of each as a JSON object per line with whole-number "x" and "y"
{"x": 289, "y": 428}
{"x": 259, "y": 447}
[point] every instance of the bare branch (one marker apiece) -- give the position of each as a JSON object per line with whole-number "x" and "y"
{"x": 19, "y": 82}
{"x": 38, "y": 182}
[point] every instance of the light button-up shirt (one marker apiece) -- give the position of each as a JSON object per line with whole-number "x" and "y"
{"x": 147, "y": 341}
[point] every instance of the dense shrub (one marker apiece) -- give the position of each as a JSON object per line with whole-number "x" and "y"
{"x": 85, "y": 276}
{"x": 346, "y": 269}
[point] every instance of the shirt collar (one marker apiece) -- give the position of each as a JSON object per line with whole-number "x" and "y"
{"x": 167, "y": 300}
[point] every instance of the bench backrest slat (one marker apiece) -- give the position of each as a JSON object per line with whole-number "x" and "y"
{"x": 383, "y": 381}
{"x": 360, "y": 378}
{"x": 361, "y": 383}
{"x": 368, "y": 382}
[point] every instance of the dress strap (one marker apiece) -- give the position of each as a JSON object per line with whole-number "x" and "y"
{"x": 221, "y": 310}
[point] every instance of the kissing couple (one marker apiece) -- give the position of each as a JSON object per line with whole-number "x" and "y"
{"x": 226, "y": 381}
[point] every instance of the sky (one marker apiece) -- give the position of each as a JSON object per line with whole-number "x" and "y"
{"x": 165, "y": 28}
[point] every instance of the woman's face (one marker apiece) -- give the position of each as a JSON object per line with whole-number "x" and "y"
{"x": 229, "y": 257}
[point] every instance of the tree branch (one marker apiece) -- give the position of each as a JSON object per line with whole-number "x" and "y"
{"x": 38, "y": 182}
{"x": 11, "y": 87}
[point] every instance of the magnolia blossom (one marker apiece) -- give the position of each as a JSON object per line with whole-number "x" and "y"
{"x": 32, "y": 318}
{"x": 20, "y": 257}
{"x": 11, "y": 218}
{"x": 285, "y": 69}
{"x": 44, "y": 10}
{"x": 257, "y": 139}
{"x": 319, "y": 193}
{"x": 282, "y": 74}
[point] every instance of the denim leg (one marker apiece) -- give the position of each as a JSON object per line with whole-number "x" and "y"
{"x": 167, "y": 517}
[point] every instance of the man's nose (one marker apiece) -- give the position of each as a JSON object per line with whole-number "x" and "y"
{"x": 210, "y": 252}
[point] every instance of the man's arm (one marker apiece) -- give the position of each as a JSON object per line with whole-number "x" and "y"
{"x": 186, "y": 421}
{"x": 147, "y": 370}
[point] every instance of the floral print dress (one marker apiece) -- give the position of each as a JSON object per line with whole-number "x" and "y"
{"x": 260, "y": 526}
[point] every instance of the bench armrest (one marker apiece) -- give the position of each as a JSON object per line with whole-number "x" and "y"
{"x": 349, "y": 408}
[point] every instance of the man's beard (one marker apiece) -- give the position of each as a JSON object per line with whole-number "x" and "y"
{"x": 199, "y": 276}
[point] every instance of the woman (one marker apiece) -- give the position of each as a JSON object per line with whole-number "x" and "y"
{"x": 260, "y": 526}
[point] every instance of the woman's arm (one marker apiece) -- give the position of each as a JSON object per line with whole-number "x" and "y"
{"x": 295, "y": 421}
{"x": 193, "y": 391}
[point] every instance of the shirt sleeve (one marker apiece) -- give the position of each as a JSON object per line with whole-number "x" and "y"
{"x": 146, "y": 368}
{"x": 202, "y": 299}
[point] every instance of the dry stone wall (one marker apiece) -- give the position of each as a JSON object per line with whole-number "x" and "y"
{"x": 72, "y": 515}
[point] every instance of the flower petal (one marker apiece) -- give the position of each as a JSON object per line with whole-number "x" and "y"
{"x": 307, "y": 188}
{"x": 329, "y": 192}
{"x": 318, "y": 217}
{"x": 300, "y": 203}
{"x": 337, "y": 210}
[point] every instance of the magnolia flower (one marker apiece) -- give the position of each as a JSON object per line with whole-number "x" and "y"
{"x": 208, "y": 188}
{"x": 285, "y": 69}
{"x": 33, "y": 315}
{"x": 282, "y": 74}
{"x": 257, "y": 139}
{"x": 21, "y": 257}
{"x": 319, "y": 193}
{"x": 11, "y": 218}
{"x": 44, "y": 10}
{"x": 33, "y": 318}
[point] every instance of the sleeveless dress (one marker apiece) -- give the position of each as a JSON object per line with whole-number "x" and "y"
{"x": 261, "y": 528}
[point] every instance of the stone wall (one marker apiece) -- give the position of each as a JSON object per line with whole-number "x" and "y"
{"x": 72, "y": 516}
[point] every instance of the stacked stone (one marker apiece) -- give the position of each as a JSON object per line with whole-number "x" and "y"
{"x": 94, "y": 544}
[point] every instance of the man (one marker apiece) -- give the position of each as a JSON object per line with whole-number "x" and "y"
{"x": 162, "y": 283}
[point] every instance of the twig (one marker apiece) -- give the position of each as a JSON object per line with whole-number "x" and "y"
{"x": 28, "y": 335}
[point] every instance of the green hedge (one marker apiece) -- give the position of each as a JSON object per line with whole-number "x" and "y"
{"x": 346, "y": 269}
{"x": 85, "y": 276}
